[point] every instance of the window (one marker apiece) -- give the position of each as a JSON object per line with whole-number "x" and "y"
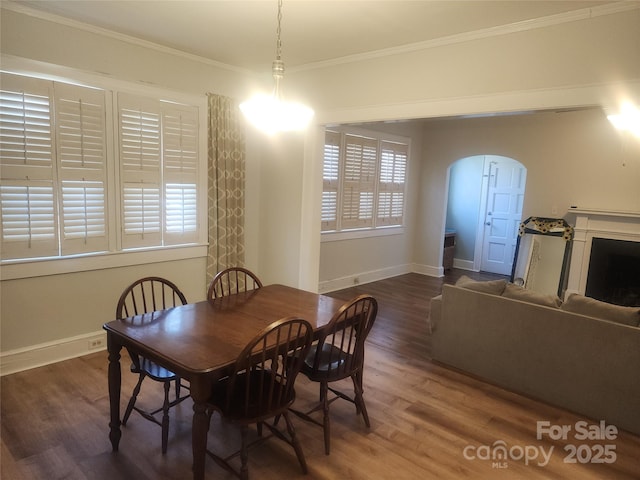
{"x": 74, "y": 184}
{"x": 158, "y": 168}
{"x": 364, "y": 177}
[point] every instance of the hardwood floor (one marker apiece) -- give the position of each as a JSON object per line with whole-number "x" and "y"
{"x": 424, "y": 418}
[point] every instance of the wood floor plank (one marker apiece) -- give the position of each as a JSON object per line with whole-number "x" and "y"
{"x": 54, "y": 419}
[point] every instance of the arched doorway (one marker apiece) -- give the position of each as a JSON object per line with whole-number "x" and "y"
{"x": 486, "y": 195}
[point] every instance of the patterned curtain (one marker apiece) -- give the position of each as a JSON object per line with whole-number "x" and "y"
{"x": 226, "y": 185}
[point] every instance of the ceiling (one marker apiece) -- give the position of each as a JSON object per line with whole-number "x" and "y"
{"x": 241, "y": 34}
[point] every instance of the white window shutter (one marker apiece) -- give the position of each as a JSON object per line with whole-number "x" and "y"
{"x": 330, "y": 181}
{"x": 140, "y": 143}
{"x": 27, "y": 196}
{"x": 81, "y": 142}
{"x": 180, "y": 159}
{"x": 359, "y": 176}
{"x": 393, "y": 171}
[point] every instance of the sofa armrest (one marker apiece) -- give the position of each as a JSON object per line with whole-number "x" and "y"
{"x": 435, "y": 313}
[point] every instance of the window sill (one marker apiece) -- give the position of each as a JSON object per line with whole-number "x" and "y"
{"x": 361, "y": 233}
{"x": 13, "y": 270}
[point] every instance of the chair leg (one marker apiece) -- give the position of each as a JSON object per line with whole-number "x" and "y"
{"x": 165, "y": 417}
{"x": 359, "y": 398}
{"x": 244, "y": 454}
{"x": 324, "y": 397}
{"x": 132, "y": 400}
{"x": 295, "y": 443}
{"x": 177, "y": 388}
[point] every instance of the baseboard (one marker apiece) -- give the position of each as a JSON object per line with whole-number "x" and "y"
{"x": 381, "y": 274}
{"x": 428, "y": 270}
{"x": 362, "y": 278}
{"x": 464, "y": 264}
{"x": 51, "y": 352}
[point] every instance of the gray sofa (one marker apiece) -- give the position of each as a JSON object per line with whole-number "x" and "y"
{"x": 588, "y": 365}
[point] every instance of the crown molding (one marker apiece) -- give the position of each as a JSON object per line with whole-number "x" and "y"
{"x": 31, "y": 12}
{"x": 522, "y": 26}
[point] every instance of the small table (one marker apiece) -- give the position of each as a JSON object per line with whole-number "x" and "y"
{"x": 200, "y": 343}
{"x": 449, "y": 249}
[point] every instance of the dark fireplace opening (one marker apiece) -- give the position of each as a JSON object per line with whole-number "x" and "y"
{"x": 614, "y": 272}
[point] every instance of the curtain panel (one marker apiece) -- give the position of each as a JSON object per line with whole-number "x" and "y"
{"x": 226, "y": 171}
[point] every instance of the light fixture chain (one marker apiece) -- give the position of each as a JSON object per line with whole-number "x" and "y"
{"x": 278, "y": 32}
{"x": 273, "y": 114}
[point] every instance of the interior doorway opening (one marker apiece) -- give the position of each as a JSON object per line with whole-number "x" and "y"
{"x": 484, "y": 208}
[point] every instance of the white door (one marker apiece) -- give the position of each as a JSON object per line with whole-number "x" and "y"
{"x": 505, "y": 197}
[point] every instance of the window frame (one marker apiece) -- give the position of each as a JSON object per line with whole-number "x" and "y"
{"x": 115, "y": 255}
{"x": 376, "y": 228}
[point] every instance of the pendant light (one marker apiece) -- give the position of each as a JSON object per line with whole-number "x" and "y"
{"x": 271, "y": 113}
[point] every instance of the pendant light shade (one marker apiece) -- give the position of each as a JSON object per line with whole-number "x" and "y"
{"x": 271, "y": 113}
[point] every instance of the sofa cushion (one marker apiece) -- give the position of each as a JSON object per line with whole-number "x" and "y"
{"x": 494, "y": 287}
{"x": 595, "y": 308}
{"x": 519, "y": 293}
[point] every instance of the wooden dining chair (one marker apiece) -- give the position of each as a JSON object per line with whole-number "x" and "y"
{"x": 339, "y": 354}
{"x": 233, "y": 280}
{"x": 151, "y": 294}
{"x": 261, "y": 387}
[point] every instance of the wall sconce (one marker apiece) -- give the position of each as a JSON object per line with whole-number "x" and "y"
{"x": 628, "y": 119}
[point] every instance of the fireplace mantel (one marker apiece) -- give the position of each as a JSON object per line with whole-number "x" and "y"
{"x": 594, "y": 212}
{"x": 598, "y": 223}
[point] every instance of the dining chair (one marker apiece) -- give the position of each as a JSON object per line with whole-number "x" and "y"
{"x": 151, "y": 294}
{"x": 261, "y": 387}
{"x": 339, "y": 354}
{"x": 233, "y": 280}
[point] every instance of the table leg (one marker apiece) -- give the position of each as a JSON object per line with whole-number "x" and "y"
{"x": 115, "y": 379}
{"x": 200, "y": 391}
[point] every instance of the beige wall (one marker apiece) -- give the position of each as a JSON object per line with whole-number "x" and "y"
{"x": 577, "y": 63}
{"x": 470, "y": 75}
{"x": 572, "y": 158}
{"x": 345, "y": 262}
{"x": 587, "y": 62}
{"x": 42, "y": 309}
{"x": 45, "y": 41}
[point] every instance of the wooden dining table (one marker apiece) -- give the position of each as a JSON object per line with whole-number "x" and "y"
{"x": 201, "y": 341}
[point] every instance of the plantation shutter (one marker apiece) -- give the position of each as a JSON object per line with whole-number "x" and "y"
{"x": 391, "y": 187}
{"x": 81, "y": 145}
{"x": 140, "y": 171}
{"x": 330, "y": 181}
{"x": 359, "y": 178}
{"x": 27, "y": 196}
{"x": 180, "y": 154}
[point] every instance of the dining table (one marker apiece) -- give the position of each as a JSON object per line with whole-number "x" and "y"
{"x": 200, "y": 343}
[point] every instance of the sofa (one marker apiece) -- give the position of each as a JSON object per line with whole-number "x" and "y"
{"x": 537, "y": 345}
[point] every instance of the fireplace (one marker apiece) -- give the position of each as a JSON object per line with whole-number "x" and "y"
{"x": 605, "y": 255}
{"x": 614, "y": 272}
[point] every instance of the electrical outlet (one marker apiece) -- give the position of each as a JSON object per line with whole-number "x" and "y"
{"x": 96, "y": 343}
